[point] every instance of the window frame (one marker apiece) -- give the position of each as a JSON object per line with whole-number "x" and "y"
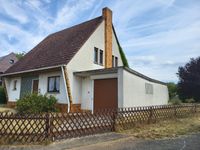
{"x": 96, "y": 56}
{"x": 54, "y": 91}
{"x": 15, "y": 85}
{"x": 100, "y": 58}
{"x": 32, "y": 84}
{"x": 113, "y": 61}
{"x": 116, "y": 61}
{"x": 149, "y": 88}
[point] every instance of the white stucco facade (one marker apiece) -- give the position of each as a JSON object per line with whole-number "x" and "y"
{"x": 13, "y": 94}
{"x": 132, "y": 92}
{"x": 43, "y": 83}
{"x": 84, "y": 60}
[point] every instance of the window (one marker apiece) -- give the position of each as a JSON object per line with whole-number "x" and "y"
{"x": 101, "y": 57}
{"x": 15, "y": 85}
{"x": 113, "y": 61}
{"x": 11, "y": 61}
{"x": 54, "y": 84}
{"x": 116, "y": 61}
{"x": 149, "y": 88}
{"x": 96, "y": 55}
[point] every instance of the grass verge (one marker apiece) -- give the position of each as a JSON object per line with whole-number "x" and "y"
{"x": 166, "y": 128}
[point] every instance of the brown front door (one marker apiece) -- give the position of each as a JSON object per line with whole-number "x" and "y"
{"x": 105, "y": 93}
{"x": 35, "y": 86}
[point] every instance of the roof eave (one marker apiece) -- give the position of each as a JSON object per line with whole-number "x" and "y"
{"x": 31, "y": 70}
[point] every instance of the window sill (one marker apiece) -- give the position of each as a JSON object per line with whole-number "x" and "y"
{"x": 53, "y": 92}
{"x": 98, "y": 64}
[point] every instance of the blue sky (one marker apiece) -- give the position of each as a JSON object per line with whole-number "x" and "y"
{"x": 157, "y": 35}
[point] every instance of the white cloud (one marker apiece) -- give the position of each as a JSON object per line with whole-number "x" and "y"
{"x": 45, "y": 23}
{"x": 13, "y": 10}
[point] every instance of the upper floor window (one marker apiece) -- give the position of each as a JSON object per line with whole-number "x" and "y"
{"x": 148, "y": 88}
{"x": 98, "y": 56}
{"x": 101, "y": 57}
{"x": 114, "y": 61}
{"x": 95, "y": 55}
{"x": 15, "y": 85}
{"x": 54, "y": 84}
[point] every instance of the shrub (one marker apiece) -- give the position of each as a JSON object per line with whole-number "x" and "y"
{"x": 2, "y": 96}
{"x": 33, "y": 103}
{"x": 175, "y": 101}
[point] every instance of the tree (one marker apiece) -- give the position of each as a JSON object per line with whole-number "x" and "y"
{"x": 189, "y": 80}
{"x": 20, "y": 55}
{"x": 172, "y": 87}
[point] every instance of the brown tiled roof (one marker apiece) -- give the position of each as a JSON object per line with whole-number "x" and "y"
{"x": 5, "y": 62}
{"x": 58, "y": 48}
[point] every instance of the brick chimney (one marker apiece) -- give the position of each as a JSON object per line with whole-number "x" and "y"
{"x": 107, "y": 16}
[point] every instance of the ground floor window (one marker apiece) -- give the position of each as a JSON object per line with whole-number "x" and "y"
{"x": 15, "y": 85}
{"x": 54, "y": 84}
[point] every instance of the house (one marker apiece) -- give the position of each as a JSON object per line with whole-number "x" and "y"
{"x": 6, "y": 62}
{"x": 83, "y": 68}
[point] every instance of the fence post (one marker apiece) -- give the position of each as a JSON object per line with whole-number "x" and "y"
{"x": 114, "y": 119}
{"x": 175, "y": 111}
{"x": 150, "y": 115}
{"x": 48, "y": 126}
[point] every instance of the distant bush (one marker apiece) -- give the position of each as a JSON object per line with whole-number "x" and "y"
{"x": 2, "y": 96}
{"x": 172, "y": 88}
{"x": 191, "y": 100}
{"x": 33, "y": 103}
{"x": 175, "y": 101}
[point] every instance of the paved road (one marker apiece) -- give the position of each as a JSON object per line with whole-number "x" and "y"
{"x": 113, "y": 141}
{"x": 191, "y": 142}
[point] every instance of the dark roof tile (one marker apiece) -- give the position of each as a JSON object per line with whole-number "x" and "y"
{"x": 5, "y": 62}
{"x": 58, "y": 48}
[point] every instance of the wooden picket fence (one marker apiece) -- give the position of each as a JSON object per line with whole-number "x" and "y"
{"x": 15, "y": 128}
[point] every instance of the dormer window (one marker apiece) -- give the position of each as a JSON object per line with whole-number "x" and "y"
{"x": 11, "y": 61}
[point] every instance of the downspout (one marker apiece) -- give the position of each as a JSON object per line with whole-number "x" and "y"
{"x": 65, "y": 83}
{"x": 5, "y": 88}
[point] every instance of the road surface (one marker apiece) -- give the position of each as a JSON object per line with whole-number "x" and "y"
{"x": 114, "y": 141}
